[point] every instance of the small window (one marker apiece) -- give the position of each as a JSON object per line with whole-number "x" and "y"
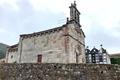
{"x": 101, "y": 58}
{"x": 39, "y": 60}
{"x": 11, "y": 56}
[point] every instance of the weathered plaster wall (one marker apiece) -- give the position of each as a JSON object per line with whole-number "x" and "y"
{"x": 55, "y": 46}
{"x": 58, "y": 45}
{"x": 59, "y": 72}
{"x": 12, "y": 57}
{"x": 50, "y": 45}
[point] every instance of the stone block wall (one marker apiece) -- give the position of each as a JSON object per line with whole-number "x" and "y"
{"x": 50, "y": 44}
{"x": 59, "y": 72}
{"x": 76, "y": 44}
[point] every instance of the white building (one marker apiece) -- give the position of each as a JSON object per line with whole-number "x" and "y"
{"x": 12, "y": 54}
{"x": 105, "y": 56}
{"x": 97, "y": 56}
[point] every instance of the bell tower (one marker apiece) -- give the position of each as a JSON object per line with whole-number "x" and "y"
{"x": 74, "y": 13}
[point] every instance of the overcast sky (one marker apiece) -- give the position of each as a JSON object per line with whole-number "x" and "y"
{"x": 100, "y": 20}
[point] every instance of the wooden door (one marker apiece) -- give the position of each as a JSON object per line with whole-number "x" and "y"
{"x": 39, "y": 60}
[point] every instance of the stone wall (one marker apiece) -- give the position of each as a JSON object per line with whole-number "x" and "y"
{"x": 59, "y": 72}
{"x": 63, "y": 44}
{"x": 76, "y": 44}
{"x": 50, "y": 45}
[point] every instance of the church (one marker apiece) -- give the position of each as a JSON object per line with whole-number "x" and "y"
{"x": 64, "y": 44}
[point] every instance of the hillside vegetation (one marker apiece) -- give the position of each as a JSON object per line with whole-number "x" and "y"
{"x": 3, "y": 48}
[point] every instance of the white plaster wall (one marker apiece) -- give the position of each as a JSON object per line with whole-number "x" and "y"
{"x": 108, "y": 59}
{"x": 14, "y": 58}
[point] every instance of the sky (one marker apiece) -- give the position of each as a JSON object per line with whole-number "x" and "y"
{"x": 100, "y": 20}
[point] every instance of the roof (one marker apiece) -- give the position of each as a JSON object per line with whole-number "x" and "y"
{"x": 94, "y": 50}
{"x": 87, "y": 51}
{"x": 50, "y": 30}
{"x": 13, "y": 48}
{"x": 116, "y": 55}
{"x": 42, "y": 32}
{"x": 103, "y": 50}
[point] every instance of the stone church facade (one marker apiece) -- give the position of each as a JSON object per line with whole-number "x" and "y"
{"x": 64, "y": 44}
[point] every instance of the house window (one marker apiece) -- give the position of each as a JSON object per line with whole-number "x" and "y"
{"x": 11, "y": 56}
{"x": 101, "y": 58}
{"x": 39, "y": 60}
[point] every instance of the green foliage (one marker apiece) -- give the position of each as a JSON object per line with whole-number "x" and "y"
{"x": 3, "y": 48}
{"x": 15, "y": 62}
{"x": 2, "y": 54}
{"x": 115, "y": 60}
